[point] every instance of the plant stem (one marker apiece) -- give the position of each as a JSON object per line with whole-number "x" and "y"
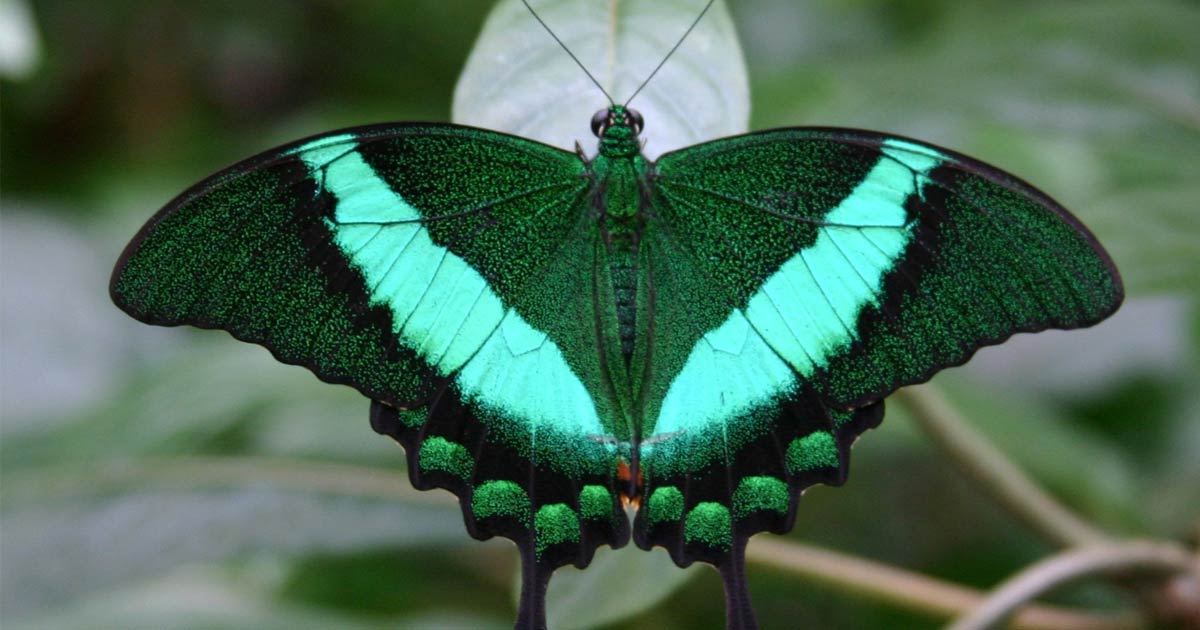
{"x": 994, "y": 471}
{"x": 1044, "y": 575}
{"x": 915, "y": 591}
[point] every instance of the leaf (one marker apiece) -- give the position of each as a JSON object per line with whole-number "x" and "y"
{"x": 76, "y": 529}
{"x": 518, "y": 80}
{"x": 59, "y": 342}
{"x": 1076, "y": 465}
{"x": 1171, "y": 496}
{"x": 627, "y": 581}
{"x": 1160, "y": 250}
{"x": 173, "y": 406}
{"x": 212, "y": 599}
{"x": 20, "y": 45}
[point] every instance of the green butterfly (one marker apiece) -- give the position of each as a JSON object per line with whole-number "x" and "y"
{"x": 554, "y": 337}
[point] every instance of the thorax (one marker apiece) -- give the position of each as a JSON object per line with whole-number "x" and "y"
{"x": 620, "y": 197}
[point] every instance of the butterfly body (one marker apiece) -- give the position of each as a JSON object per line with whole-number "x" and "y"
{"x": 619, "y": 174}
{"x": 553, "y": 337}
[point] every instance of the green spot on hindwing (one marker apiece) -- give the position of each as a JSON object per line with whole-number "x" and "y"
{"x": 840, "y": 417}
{"x": 595, "y": 503}
{"x": 665, "y": 504}
{"x": 555, "y": 523}
{"x": 442, "y": 455}
{"x": 501, "y": 498}
{"x": 412, "y": 418}
{"x": 755, "y": 494}
{"x": 709, "y": 523}
{"x": 812, "y": 452}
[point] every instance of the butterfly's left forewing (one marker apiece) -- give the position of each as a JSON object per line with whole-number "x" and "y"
{"x": 435, "y": 269}
{"x": 804, "y": 274}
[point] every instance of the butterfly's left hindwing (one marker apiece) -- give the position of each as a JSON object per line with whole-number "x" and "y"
{"x": 804, "y": 274}
{"x": 435, "y": 269}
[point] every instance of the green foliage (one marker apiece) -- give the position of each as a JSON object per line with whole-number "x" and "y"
{"x": 184, "y": 480}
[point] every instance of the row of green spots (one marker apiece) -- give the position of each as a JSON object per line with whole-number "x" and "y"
{"x": 442, "y": 455}
{"x": 755, "y": 494}
{"x": 500, "y": 498}
{"x": 555, "y": 523}
{"x": 811, "y": 452}
{"x": 709, "y": 523}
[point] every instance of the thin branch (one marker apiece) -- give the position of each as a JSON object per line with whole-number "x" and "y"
{"x": 915, "y": 591}
{"x": 994, "y": 471}
{"x": 1066, "y": 566}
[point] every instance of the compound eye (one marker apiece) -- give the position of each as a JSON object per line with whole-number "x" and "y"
{"x": 599, "y": 122}
{"x": 635, "y": 120}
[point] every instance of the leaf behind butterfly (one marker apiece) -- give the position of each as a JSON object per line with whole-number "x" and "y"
{"x": 518, "y": 80}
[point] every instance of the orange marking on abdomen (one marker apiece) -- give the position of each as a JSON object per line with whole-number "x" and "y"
{"x": 625, "y": 475}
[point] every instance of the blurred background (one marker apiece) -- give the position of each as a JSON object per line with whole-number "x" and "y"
{"x": 176, "y": 478}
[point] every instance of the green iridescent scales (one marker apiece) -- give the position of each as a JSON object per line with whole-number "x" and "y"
{"x": 549, "y": 336}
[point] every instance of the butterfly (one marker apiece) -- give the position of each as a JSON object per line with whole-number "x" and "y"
{"x": 556, "y": 337}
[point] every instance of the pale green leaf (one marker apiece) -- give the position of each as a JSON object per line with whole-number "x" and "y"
{"x": 20, "y": 44}
{"x": 71, "y": 530}
{"x": 213, "y": 599}
{"x": 213, "y": 393}
{"x": 518, "y": 80}
{"x": 617, "y": 585}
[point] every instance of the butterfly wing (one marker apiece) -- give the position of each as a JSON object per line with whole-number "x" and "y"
{"x": 804, "y": 274}
{"x": 437, "y": 270}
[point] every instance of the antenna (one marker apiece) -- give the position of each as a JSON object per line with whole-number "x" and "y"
{"x": 670, "y": 52}
{"x": 573, "y": 57}
{"x": 656, "y": 68}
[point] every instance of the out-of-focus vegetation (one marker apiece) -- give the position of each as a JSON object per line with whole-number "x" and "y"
{"x": 176, "y": 478}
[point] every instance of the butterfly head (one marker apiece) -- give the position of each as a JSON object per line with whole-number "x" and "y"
{"x": 621, "y": 120}
{"x": 618, "y": 128}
